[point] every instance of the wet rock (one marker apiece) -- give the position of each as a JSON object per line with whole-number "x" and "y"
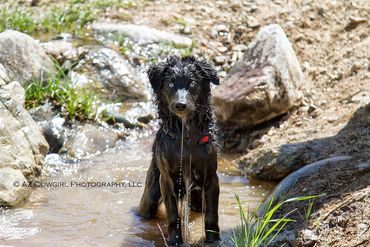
{"x": 265, "y": 84}
{"x": 131, "y": 114}
{"x": 272, "y": 163}
{"x": 12, "y": 192}
{"x": 42, "y": 112}
{"x": 112, "y": 76}
{"x": 89, "y": 140}
{"x": 23, "y": 58}
{"x": 55, "y": 133}
{"x": 23, "y": 146}
{"x": 139, "y": 112}
{"x": 141, "y": 34}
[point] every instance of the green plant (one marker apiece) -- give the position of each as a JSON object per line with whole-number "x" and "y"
{"x": 18, "y": 19}
{"x": 256, "y": 231}
{"x": 309, "y": 210}
{"x": 69, "y": 18}
{"x": 75, "y": 103}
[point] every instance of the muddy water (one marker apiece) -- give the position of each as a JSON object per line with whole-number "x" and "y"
{"x": 103, "y": 216}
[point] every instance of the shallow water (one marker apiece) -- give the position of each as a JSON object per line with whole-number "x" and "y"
{"x": 103, "y": 216}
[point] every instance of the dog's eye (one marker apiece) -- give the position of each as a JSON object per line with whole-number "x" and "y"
{"x": 192, "y": 84}
{"x": 171, "y": 84}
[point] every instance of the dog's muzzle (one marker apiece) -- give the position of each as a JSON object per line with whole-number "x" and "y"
{"x": 182, "y": 102}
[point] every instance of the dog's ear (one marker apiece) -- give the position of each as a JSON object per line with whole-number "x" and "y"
{"x": 207, "y": 72}
{"x": 156, "y": 76}
{"x": 157, "y": 72}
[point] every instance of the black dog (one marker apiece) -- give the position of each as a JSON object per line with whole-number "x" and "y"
{"x": 182, "y": 89}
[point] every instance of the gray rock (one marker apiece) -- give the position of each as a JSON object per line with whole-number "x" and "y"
{"x": 142, "y": 34}
{"x": 42, "y": 112}
{"x": 290, "y": 181}
{"x": 4, "y": 79}
{"x": 23, "y": 58}
{"x": 253, "y": 22}
{"x": 89, "y": 140}
{"x": 108, "y": 71}
{"x": 15, "y": 91}
{"x": 55, "y": 133}
{"x": 12, "y": 192}
{"x": 219, "y": 60}
{"x": 272, "y": 163}
{"x": 139, "y": 112}
{"x": 265, "y": 84}
{"x": 23, "y": 146}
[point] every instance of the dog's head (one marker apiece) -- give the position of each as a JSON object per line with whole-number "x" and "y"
{"x": 182, "y": 84}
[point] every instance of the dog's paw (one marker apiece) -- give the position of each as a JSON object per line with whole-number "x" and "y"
{"x": 212, "y": 237}
{"x": 142, "y": 214}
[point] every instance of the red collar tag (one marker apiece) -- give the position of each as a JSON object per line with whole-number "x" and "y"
{"x": 204, "y": 139}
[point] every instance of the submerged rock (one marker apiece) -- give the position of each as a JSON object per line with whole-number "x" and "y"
{"x": 90, "y": 139}
{"x": 23, "y": 58}
{"x": 23, "y": 146}
{"x": 110, "y": 74}
{"x": 265, "y": 84}
{"x": 142, "y": 34}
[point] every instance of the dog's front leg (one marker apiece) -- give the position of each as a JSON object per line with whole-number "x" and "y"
{"x": 170, "y": 202}
{"x": 150, "y": 199}
{"x": 212, "y": 192}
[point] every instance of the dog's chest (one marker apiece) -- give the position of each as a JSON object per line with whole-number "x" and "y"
{"x": 194, "y": 156}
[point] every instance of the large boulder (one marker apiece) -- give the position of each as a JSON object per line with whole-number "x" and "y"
{"x": 23, "y": 58}
{"x": 23, "y": 146}
{"x": 265, "y": 84}
{"x": 142, "y": 34}
{"x": 113, "y": 77}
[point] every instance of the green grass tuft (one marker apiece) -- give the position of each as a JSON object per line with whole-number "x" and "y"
{"x": 18, "y": 19}
{"x": 72, "y": 16}
{"x": 80, "y": 104}
{"x": 258, "y": 231}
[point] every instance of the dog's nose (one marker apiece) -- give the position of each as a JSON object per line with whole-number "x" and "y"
{"x": 180, "y": 106}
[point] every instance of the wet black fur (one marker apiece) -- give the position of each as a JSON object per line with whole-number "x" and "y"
{"x": 163, "y": 174}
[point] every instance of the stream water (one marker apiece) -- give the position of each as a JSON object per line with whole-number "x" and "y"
{"x": 103, "y": 216}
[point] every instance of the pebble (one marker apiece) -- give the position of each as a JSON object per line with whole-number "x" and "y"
{"x": 222, "y": 49}
{"x": 220, "y": 60}
{"x": 253, "y": 22}
{"x": 186, "y": 30}
{"x": 240, "y": 47}
{"x": 309, "y": 235}
{"x": 221, "y": 28}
